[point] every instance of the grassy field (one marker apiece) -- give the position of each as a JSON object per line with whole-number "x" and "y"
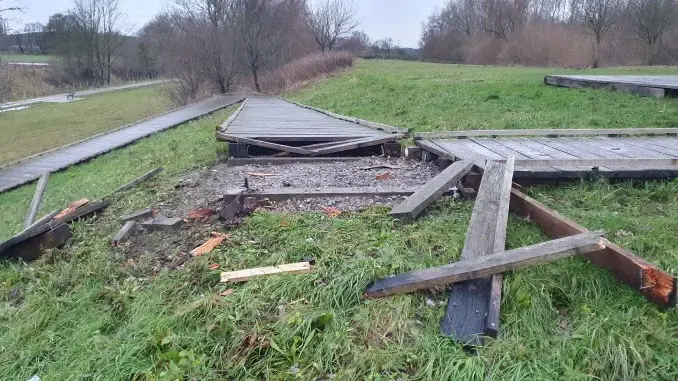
{"x": 50, "y": 125}
{"x": 32, "y": 58}
{"x": 85, "y": 316}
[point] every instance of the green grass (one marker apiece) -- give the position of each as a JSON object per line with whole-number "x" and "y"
{"x": 33, "y": 58}
{"x": 87, "y": 317}
{"x": 49, "y": 125}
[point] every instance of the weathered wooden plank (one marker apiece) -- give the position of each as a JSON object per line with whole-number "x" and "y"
{"x": 467, "y": 316}
{"x": 85, "y": 211}
{"x": 138, "y": 215}
{"x": 45, "y": 219}
{"x": 235, "y": 162}
{"x": 163, "y": 223}
{"x": 37, "y": 199}
{"x": 548, "y": 132}
{"x": 245, "y": 275}
{"x": 303, "y": 193}
{"x": 432, "y": 190}
{"x": 261, "y": 143}
{"x": 347, "y": 146}
{"x": 138, "y": 180}
{"x": 637, "y": 87}
{"x": 485, "y": 266}
{"x": 633, "y": 162}
{"x": 31, "y": 247}
{"x": 233, "y": 116}
{"x": 124, "y": 232}
{"x": 656, "y": 285}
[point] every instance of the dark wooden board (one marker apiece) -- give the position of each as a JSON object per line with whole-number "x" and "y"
{"x": 85, "y": 211}
{"x": 432, "y": 190}
{"x": 485, "y": 266}
{"x": 124, "y": 233}
{"x": 469, "y": 304}
{"x": 31, "y": 248}
{"x": 303, "y": 193}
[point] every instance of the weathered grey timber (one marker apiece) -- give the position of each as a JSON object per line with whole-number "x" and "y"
{"x": 468, "y": 317}
{"x": 486, "y": 266}
{"x": 138, "y": 215}
{"x": 303, "y": 193}
{"x": 37, "y": 199}
{"x": 548, "y": 132}
{"x": 236, "y": 162}
{"x": 29, "y": 169}
{"x": 283, "y": 124}
{"x": 163, "y": 223}
{"x": 432, "y": 190}
{"x": 124, "y": 232}
{"x": 540, "y": 158}
{"x": 139, "y": 180}
{"x": 656, "y": 86}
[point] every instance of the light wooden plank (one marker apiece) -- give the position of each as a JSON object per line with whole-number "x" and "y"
{"x": 488, "y": 265}
{"x": 245, "y": 275}
{"x": 37, "y": 200}
{"x": 432, "y": 190}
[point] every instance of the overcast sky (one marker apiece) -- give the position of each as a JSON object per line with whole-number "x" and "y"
{"x": 397, "y": 19}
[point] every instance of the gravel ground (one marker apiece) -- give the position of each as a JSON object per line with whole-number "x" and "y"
{"x": 203, "y": 188}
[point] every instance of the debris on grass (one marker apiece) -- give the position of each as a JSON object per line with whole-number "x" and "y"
{"x": 384, "y": 176}
{"x": 381, "y": 166}
{"x": 210, "y": 245}
{"x": 213, "y": 266}
{"x": 331, "y": 211}
{"x": 245, "y": 275}
{"x": 163, "y": 223}
{"x": 71, "y": 208}
{"x": 124, "y": 233}
{"x": 227, "y": 292}
{"x": 199, "y": 214}
{"x": 139, "y": 215}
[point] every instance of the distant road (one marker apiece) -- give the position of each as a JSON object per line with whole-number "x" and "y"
{"x": 58, "y": 97}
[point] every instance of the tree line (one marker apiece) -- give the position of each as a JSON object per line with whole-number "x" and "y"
{"x": 553, "y": 32}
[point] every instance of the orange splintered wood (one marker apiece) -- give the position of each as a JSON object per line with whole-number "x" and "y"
{"x": 71, "y": 208}
{"x": 210, "y": 245}
{"x": 199, "y": 214}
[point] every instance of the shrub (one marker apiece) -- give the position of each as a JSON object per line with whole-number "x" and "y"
{"x": 301, "y": 71}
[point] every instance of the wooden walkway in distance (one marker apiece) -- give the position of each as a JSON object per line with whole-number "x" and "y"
{"x": 31, "y": 168}
{"x": 650, "y": 85}
{"x": 541, "y": 158}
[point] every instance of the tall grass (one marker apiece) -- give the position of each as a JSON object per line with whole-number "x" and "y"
{"x": 304, "y": 70}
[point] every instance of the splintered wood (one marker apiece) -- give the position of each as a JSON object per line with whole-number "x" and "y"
{"x": 211, "y": 244}
{"x": 245, "y": 275}
{"x": 71, "y": 208}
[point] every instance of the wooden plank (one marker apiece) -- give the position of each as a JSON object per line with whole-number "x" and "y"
{"x": 619, "y": 85}
{"x": 304, "y": 193}
{"x": 245, "y": 275}
{"x": 37, "y": 199}
{"x": 488, "y": 265}
{"x": 261, "y": 143}
{"x": 432, "y": 190}
{"x": 138, "y": 180}
{"x": 124, "y": 232}
{"x": 227, "y": 122}
{"x": 633, "y": 162}
{"x": 236, "y": 162}
{"x": 138, "y": 215}
{"x": 467, "y": 316}
{"x": 85, "y": 211}
{"x": 548, "y": 132}
{"x": 45, "y": 219}
{"x": 367, "y": 142}
{"x": 555, "y": 153}
{"x": 31, "y": 247}
{"x": 163, "y": 223}
{"x": 656, "y": 285}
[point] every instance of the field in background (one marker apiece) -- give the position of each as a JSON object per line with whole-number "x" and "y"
{"x": 49, "y": 125}
{"x": 435, "y": 97}
{"x": 566, "y": 320}
{"x": 33, "y": 58}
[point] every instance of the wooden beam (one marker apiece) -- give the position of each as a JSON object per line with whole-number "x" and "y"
{"x": 432, "y": 190}
{"x": 468, "y": 317}
{"x": 261, "y": 143}
{"x": 137, "y": 181}
{"x": 138, "y": 215}
{"x": 37, "y": 199}
{"x": 366, "y": 142}
{"x": 484, "y": 266}
{"x": 304, "y": 193}
{"x": 656, "y": 285}
{"x": 124, "y": 232}
{"x": 245, "y": 275}
{"x": 630, "y": 162}
{"x": 235, "y": 162}
{"x": 30, "y": 246}
{"x": 87, "y": 210}
{"x": 231, "y": 118}
{"x": 548, "y": 132}
{"x": 45, "y": 219}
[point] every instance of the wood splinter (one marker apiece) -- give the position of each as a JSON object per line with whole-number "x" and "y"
{"x": 211, "y": 244}
{"x": 245, "y": 275}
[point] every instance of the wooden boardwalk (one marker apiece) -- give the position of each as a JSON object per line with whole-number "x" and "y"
{"x": 651, "y": 85}
{"x": 557, "y": 158}
{"x": 31, "y": 168}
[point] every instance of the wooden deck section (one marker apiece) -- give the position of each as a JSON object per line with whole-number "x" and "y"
{"x": 31, "y": 168}
{"x": 657, "y": 86}
{"x": 279, "y": 125}
{"x": 542, "y": 158}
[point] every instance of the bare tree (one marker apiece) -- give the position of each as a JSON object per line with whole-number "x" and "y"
{"x": 330, "y": 21}
{"x": 599, "y": 16}
{"x": 650, "y": 20}
{"x": 7, "y": 6}
{"x": 33, "y": 33}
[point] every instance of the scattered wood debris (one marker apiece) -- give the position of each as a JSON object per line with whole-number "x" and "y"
{"x": 211, "y": 244}
{"x": 245, "y": 275}
{"x": 381, "y": 166}
{"x": 163, "y": 223}
{"x": 139, "y": 215}
{"x": 85, "y": 210}
{"x": 37, "y": 199}
{"x": 71, "y": 208}
{"x": 258, "y": 174}
{"x": 384, "y": 176}
{"x": 124, "y": 233}
{"x": 200, "y": 214}
{"x": 331, "y": 211}
{"x": 213, "y": 266}
{"x": 227, "y": 292}
{"x": 137, "y": 181}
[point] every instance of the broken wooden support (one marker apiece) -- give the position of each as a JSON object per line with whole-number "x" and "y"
{"x": 262, "y": 143}
{"x": 138, "y": 180}
{"x": 30, "y": 245}
{"x": 232, "y": 206}
{"x": 245, "y": 275}
{"x": 234, "y": 115}
{"x": 392, "y": 149}
{"x": 468, "y": 317}
{"x": 37, "y": 199}
{"x": 485, "y": 266}
{"x": 235, "y": 162}
{"x": 656, "y": 285}
{"x": 432, "y": 190}
{"x": 124, "y": 232}
{"x": 163, "y": 223}
{"x": 348, "y": 146}
{"x": 87, "y": 210}
{"x": 71, "y": 208}
{"x": 413, "y": 153}
{"x": 216, "y": 240}
{"x": 138, "y": 215}
{"x": 304, "y": 193}
{"x": 45, "y": 219}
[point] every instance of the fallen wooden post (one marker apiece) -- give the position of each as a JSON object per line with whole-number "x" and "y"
{"x": 125, "y": 232}
{"x": 84, "y": 211}
{"x": 211, "y": 244}
{"x": 488, "y": 265}
{"x": 71, "y": 208}
{"x": 473, "y": 307}
{"x": 366, "y": 142}
{"x": 656, "y": 285}
{"x": 163, "y": 223}
{"x": 262, "y": 143}
{"x": 45, "y": 219}
{"x": 306, "y": 193}
{"x": 245, "y": 275}
{"x": 30, "y": 244}
{"x": 37, "y": 199}
{"x": 137, "y": 181}
{"x": 432, "y": 190}
{"x": 139, "y": 215}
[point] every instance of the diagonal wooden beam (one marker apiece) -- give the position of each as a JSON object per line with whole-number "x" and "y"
{"x": 485, "y": 266}
{"x": 355, "y": 144}
{"x": 261, "y": 143}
